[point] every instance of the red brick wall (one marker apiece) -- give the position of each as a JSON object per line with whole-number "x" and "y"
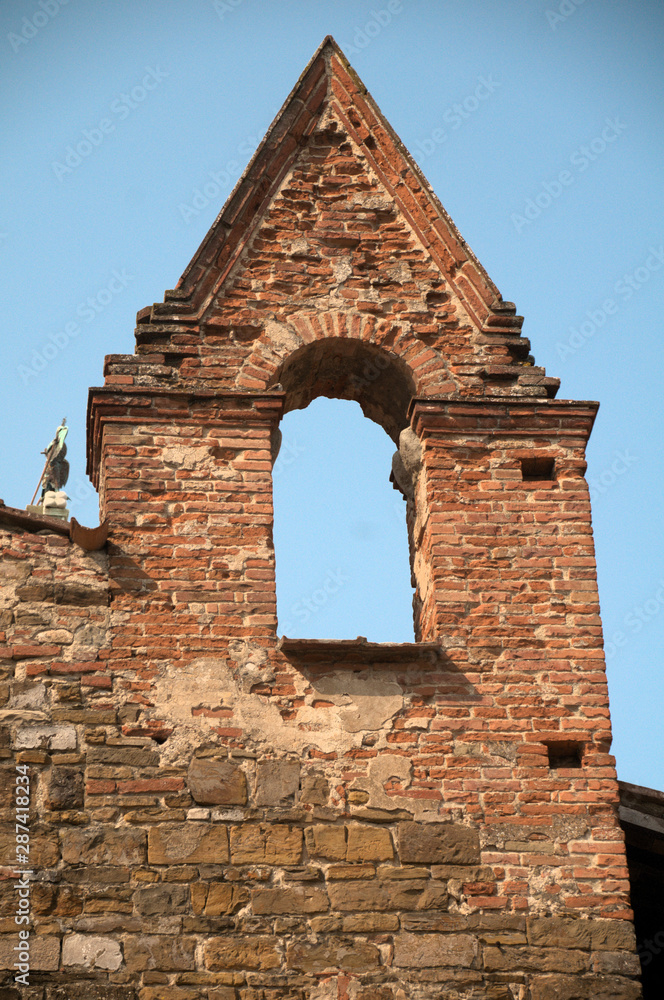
{"x": 218, "y": 815}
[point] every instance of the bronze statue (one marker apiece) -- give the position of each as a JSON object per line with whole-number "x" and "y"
{"x": 56, "y": 468}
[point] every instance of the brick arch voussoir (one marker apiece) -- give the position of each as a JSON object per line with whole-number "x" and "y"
{"x": 339, "y": 355}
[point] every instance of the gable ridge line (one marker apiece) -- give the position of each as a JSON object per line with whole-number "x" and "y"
{"x": 430, "y": 234}
{"x": 304, "y": 97}
{"x": 292, "y": 98}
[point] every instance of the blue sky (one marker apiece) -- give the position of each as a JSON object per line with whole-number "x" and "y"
{"x": 538, "y": 124}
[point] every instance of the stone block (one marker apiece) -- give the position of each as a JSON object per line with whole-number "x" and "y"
{"x": 198, "y": 813}
{"x": 612, "y": 935}
{"x": 216, "y": 782}
{"x": 172, "y": 993}
{"x": 344, "y": 871}
{"x": 373, "y": 895}
{"x": 28, "y": 695}
{"x": 558, "y": 932}
{"x": 569, "y": 932}
{"x": 275, "y": 845}
{"x": 46, "y": 738}
{"x": 65, "y": 788}
{"x": 72, "y": 592}
{"x": 44, "y": 849}
{"x": 326, "y": 842}
{"x": 616, "y": 963}
{"x": 368, "y": 843}
{"x": 395, "y": 873}
{"x": 187, "y": 844}
{"x": 168, "y": 953}
{"x": 370, "y": 923}
{"x": 418, "y": 951}
{"x": 99, "y": 875}
{"x": 434, "y": 897}
{"x": 276, "y": 781}
{"x": 438, "y": 843}
{"x": 161, "y": 900}
{"x": 91, "y": 952}
{"x": 315, "y": 790}
{"x": 103, "y": 846}
{"x": 44, "y": 952}
{"x": 290, "y": 899}
{"x": 505, "y": 959}
{"x": 129, "y": 756}
{"x": 355, "y": 956}
{"x": 591, "y": 987}
{"x": 224, "y": 898}
{"x": 246, "y": 952}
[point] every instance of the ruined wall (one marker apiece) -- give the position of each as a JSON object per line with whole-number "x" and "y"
{"x": 218, "y": 816}
{"x": 223, "y": 815}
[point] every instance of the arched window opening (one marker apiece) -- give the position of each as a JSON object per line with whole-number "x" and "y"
{"x": 339, "y": 529}
{"x": 343, "y": 368}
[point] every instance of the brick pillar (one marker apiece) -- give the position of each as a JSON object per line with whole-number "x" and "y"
{"x": 503, "y": 559}
{"x": 185, "y": 480}
{"x": 507, "y": 584}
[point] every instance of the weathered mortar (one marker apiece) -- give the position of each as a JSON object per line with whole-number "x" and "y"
{"x": 218, "y": 815}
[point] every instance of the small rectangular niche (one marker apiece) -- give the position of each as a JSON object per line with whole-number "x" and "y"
{"x": 564, "y": 754}
{"x": 537, "y": 469}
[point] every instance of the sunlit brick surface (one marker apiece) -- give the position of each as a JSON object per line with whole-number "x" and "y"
{"x": 217, "y": 817}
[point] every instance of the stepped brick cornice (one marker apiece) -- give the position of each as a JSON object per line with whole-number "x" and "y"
{"x": 333, "y": 232}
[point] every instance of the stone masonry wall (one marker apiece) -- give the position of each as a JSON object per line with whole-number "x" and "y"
{"x": 218, "y": 817}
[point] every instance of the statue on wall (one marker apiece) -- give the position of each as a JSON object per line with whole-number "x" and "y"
{"x": 56, "y": 468}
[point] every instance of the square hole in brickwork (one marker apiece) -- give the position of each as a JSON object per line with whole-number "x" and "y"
{"x": 564, "y": 754}
{"x": 537, "y": 468}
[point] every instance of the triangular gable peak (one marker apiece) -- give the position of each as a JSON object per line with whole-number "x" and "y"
{"x": 333, "y": 234}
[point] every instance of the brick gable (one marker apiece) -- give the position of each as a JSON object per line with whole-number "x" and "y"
{"x": 226, "y": 813}
{"x": 332, "y": 232}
